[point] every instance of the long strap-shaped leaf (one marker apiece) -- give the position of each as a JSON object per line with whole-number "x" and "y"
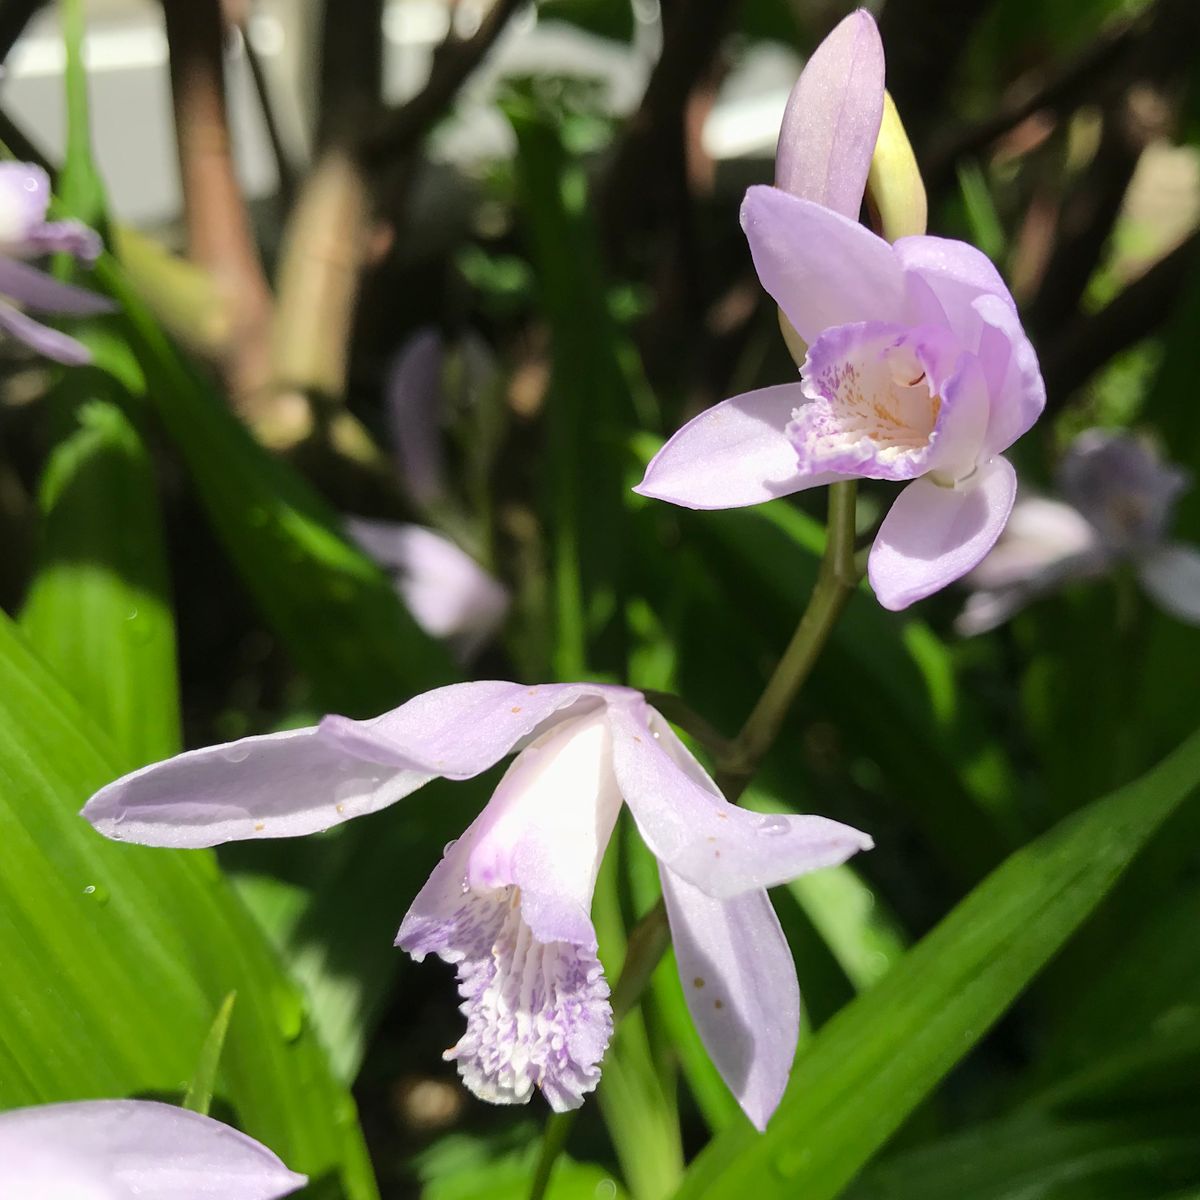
{"x": 882, "y": 1055}
{"x": 116, "y": 958}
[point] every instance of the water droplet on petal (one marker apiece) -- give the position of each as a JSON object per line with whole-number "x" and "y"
{"x": 772, "y": 824}
{"x": 449, "y": 845}
{"x": 236, "y": 753}
{"x": 466, "y": 886}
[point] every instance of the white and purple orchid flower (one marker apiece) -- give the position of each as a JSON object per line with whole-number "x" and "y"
{"x": 509, "y": 902}
{"x": 1118, "y": 496}
{"x": 133, "y": 1150}
{"x": 25, "y": 233}
{"x": 917, "y": 368}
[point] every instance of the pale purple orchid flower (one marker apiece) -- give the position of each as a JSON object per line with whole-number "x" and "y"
{"x": 448, "y": 593}
{"x": 917, "y": 368}
{"x": 133, "y": 1150}
{"x": 25, "y": 233}
{"x": 1118, "y": 496}
{"x": 509, "y": 902}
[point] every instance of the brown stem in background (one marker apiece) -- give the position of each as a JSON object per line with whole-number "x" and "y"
{"x": 218, "y": 225}
{"x": 350, "y": 71}
{"x": 925, "y": 40}
{"x": 14, "y": 16}
{"x": 400, "y": 130}
{"x": 1136, "y": 109}
{"x": 1062, "y": 92}
{"x": 266, "y": 106}
{"x": 1085, "y": 345}
{"x": 651, "y": 145}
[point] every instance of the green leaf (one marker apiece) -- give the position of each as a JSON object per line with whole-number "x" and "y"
{"x": 461, "y": 1167}
{"x": 116, "y": 957}
{"x": 588, "y": 407}
{"x": 200, "y": 1091}
{"x": 98, "y": 609}
{"x": 870, "y": 1067}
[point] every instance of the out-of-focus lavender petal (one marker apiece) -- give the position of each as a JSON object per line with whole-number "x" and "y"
{"x": 1040, "y": 534}
{"x": 133, "y": 1150}
{"x": 63, "y": 237}
{"x": 43, "y": 293}
{"x": 740, "y": 983}
{"x": 832, "y": 118}
{"x": 448, "y": 593}
{"x": 461, "y": 730}
{"x": 50, "y": 342}
{"x": 275, "y": 785}
{"x": 1171, "y": 574}
{"x": 934, "y": 535}
{"x": 821, "y": 268}
{"x": 720, "y": 848}
{"x": 733, "y": 454}
{"x": 1119, "y": 481}
{"x": 414, "y": 398}
{"x": 24, "y": 197}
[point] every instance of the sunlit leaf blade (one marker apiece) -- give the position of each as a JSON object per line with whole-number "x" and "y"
{"x": 873, "y": 1064}
{"x": 98, "y": 609}
{"x": 334, "y": 609}
{"x": 588, "y": 406}
{"x": 199, "y": 1095}
{"x": 116, "y": 957}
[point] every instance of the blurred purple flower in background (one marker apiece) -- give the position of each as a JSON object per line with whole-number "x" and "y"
{"x": 509, "y": 903}
{"x": 448, "y": 593}
{"x": 133, "y": 1150}
{"x": 917, "y": 367}
{"x": 25, "y": 233}
{"x": 1117, "y": 501}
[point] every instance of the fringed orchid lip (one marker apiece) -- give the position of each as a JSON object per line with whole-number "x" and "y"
{"x": 509, "y": 904}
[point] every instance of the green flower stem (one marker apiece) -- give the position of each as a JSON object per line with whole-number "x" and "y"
{"x": 737, "y": 761}
{"x": 836, "y": 580}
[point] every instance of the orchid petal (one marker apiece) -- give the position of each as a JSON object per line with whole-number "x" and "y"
{"x": 1171, "y": 574}
{"x": 24, "y": 197}
{"x": 733, "y": 454}
{"x": 821, "y": 268}
{"x": 956, "y": 271}
{"x": 934, "y": 535}
{"x": 448, "y": 593}
{"x": 689, "y": 826}
{"x": 461, "y": 730}
{"x": 49, "y": 342}
{"x": 124, "y": 1149}
{"x": 1014, "y": 377}
{"x": 739, "y": 980}
{"x": 43, "y": 293}
{"x": 832, "y": 118}
{"x": 276, "y": 785}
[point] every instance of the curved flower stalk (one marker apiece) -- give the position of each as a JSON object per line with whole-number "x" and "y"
{"x": 25, "y": 233}
{"x": 1118, "y": 500}
{"x": 133, "y": 1150}
{"x": 509, "y": 902}
{"x": 917, "y": 368}
{"x": 448, "y": 593}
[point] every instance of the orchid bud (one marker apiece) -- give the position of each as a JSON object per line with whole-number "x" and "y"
{"x": 895, "y": 191}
